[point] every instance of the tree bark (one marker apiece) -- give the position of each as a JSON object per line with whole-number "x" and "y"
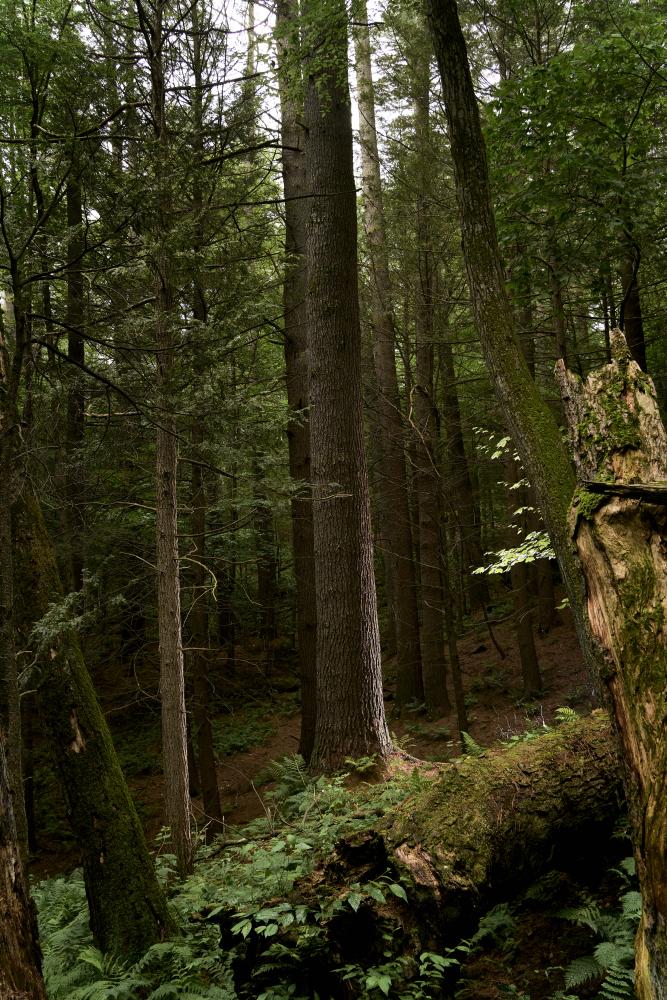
{"x": 206, "y": 763}
{"x": 392, "y": 478}
{"x": 267, "y": 567}
{"x": 75, "y": 395}
{"x": 618, "y": 436}
{"x": 631, "y": 306}
{"x": 350, "y": 709}
{"x": 460, "y": 482}
{"x": 172, "y": 684}
{"x": 101, "y": 812}
{"x": 296, "y": 365}
{"x": 427, "y": 476}
{"x": 471, "y": 838}
{"x": 20, "y": 955}
{"x": 11, "y": 368}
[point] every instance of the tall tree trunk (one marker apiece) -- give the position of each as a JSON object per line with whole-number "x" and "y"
{"x": 172, "y": 685}
{"x": 557, "y": 304}
{"x": 631, "y": 307}
{"x": 10, "y": 701}
{"x": 75, "y": 395}
{"x": 459, "y": 479}
{"x": 532, "y": 424}
{"x": 104, "y": 821}
{"x": 206, "y": 763}
{"x": 541, "y": 569}
{"x": 11, "y": 367}
{"x": 296, "y": 371}
{"x": 267, "y": 568}
{"x": 619, "y": 439}
{"x": 427, "y": 477}
{"x": 350, "y": 709}
{"x": 20, "y": 956}
{"x": 392, "y": 479}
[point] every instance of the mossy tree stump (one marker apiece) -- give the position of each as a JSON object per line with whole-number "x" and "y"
{"x": 619, "y": 439}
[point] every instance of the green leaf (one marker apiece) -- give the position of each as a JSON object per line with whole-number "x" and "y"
{"x": 399, "y": 891}
{"x": 380, "y": 981}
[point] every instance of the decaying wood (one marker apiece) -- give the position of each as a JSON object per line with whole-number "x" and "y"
{"x": 617, "y": 435}
{"x": 20, "y": 956}
{"x": 476, "y": 833}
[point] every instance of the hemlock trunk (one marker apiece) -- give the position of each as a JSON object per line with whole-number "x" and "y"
{"x": 350, "y": 708}
{"x": 296, "y": 367}
{"x": 172, "y": 683}
{"x": 425, "y": 419}
{"x": 533, "y": 427}
{"x": 392, "y": 479}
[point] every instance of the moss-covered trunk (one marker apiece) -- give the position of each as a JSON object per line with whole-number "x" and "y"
{"x": 533, "y": 426}
{"x": 476, "y": 833}
{"x": 619, "y": 440}
{"x": 128, "y": 911}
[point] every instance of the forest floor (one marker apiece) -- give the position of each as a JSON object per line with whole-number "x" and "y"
{"x": 256, "y": 722}
{"x": 264, "y": 725}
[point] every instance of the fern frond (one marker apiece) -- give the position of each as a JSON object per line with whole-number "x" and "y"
{"x": 619, "y": 984}
{"x": 611, "y": 954}
{"x": 470, "y": 746}
{"x": 632, "y": 905}
{"x": 565, "y": 714}
{"x": 581, "y": 971}
{"x": 589, "y": 915}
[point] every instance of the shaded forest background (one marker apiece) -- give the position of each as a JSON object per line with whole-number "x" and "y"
{"x": 152, "y": 370}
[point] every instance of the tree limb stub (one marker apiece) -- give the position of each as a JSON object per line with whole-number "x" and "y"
{"x": 617, "y": 435}
{"x": 651, "y": 492}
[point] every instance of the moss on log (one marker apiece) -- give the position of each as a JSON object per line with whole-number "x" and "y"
{"x": 489, "y": 824}
{"x": 481, "y": 829}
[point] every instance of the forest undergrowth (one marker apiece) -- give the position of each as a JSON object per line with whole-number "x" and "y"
{"x": 569, "y": 936}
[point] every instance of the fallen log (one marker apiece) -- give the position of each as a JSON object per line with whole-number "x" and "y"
{"x": 480, "y": 830}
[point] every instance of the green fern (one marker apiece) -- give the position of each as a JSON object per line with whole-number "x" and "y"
{"x": 619, "y": 984}
{"x": 613, "y": 958}
{"x": 565, "y": 714}
{"x": 581, "y": 971}
{"x": 470, "y": 746}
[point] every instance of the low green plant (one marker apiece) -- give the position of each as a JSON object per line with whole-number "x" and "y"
{"x": 362, "y": 765}
{"x": 472, "y": 748}
{"x": 234, "y": 733}
{"x": 428, "y": 732}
